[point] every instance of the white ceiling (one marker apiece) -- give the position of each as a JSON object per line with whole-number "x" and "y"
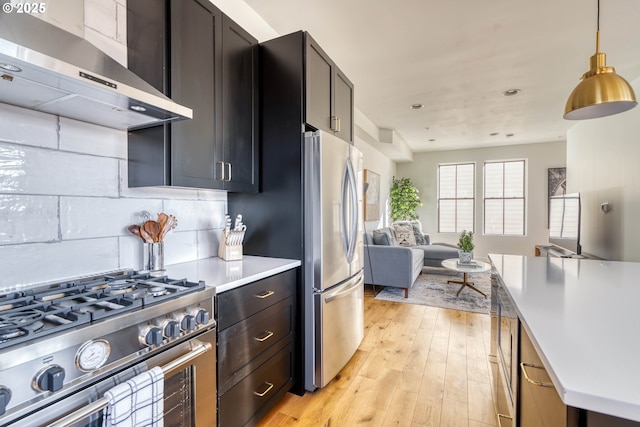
{"x": 457, "y": 57}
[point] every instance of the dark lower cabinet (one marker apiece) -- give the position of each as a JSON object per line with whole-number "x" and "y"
{"x": 256, "y": 348}
{"x": 192, "y": 52}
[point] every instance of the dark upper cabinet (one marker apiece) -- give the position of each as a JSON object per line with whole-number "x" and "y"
{"x": 329, "y": 93}
{"x": 239, "y": 108}
{"x": 199, "y": 57}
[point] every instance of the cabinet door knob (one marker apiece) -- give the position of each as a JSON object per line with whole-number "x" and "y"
{"x": 524, "y": 366}
{"x": 266, "y": 390}
{"x": 229, "y": 178}
{"x": 266, "y": 336}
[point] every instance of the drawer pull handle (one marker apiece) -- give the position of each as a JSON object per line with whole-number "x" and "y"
{"x": 267, "y": 335}
{"x": 267, "y": 390}
{"x": 524, "y": 366}
{"x": 265, "y": 294}
{"x": 500, "y": 416}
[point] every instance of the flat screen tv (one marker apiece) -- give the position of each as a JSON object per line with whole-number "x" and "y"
{"x": 564, "y": 222}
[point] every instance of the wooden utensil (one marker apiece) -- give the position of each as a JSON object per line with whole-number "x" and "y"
{"x": 171, "y": 223}
{"x": 152, "y": 228}
{"x": 135, "y": 230}
{"x": 162, "y": 220}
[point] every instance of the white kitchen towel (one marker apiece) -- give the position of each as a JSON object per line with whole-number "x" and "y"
{"x": 138, "y": 402}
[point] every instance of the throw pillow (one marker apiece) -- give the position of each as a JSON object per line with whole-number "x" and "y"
{"x": 404, "y": 235}
{"x": 383, "y": 237}
{"x": 417, "y": 231}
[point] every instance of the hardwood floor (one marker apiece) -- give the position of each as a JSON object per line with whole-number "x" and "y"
{"x": 417, "y": 366}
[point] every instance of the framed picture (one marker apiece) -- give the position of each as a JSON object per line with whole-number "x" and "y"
{"x": 557, "y": 181}
{"x": 557, "y": 185}
{"x": 371, "y": 196}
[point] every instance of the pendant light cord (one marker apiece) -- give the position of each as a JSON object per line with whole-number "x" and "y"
{"x": 598, "y": 28}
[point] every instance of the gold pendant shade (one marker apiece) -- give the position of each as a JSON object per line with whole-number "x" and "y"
{"x": 601, "y": 91}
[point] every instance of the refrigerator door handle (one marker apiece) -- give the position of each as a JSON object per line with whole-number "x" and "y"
{"x": 353, "y": 225}
{"x": 351, "y": 289}
{"x": 343, "y": 216}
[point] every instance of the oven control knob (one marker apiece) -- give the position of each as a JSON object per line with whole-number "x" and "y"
{"x": 152, "y": 336}
{"x": 49, "y": 379}
{"x": 188, "y": 323}
{"x": 171, "y": 329}
{"x": 5, "y": 397}
{"x": 202, "y": 316}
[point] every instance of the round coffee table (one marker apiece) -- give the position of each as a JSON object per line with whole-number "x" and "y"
{"x": 475, "y": 267}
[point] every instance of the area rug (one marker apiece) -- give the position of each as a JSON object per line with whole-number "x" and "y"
{"x": 431, "y": 288}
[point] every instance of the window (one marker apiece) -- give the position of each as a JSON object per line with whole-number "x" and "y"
{"x": 504, "y": 198}
{"x": 456, "y": 201}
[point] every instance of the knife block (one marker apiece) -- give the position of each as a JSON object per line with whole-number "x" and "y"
{"x": 230, "y": 251}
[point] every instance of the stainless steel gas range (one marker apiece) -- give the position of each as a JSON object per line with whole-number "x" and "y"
{"x": 62, "y": 345}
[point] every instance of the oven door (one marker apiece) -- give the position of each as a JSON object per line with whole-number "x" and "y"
{"x": 189, "y": 390}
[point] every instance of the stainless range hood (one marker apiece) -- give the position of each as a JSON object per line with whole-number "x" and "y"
{"x": 45, "y": 68}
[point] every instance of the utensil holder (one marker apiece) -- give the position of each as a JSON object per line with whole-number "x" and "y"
{"x": 153, "y": 256}
{"x": 230, "y": 248}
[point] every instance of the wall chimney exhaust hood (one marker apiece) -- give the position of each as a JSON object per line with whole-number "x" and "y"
{"x": 45, "y": 68}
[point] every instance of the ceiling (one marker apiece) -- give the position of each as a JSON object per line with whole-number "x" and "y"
{"x": 457, "y": 57}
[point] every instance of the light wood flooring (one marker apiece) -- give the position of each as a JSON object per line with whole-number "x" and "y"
{"x": 417, "y": 366}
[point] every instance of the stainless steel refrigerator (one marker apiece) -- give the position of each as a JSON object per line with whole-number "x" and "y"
{"x": 333, "y": 256}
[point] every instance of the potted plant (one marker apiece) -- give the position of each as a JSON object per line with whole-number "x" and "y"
{"x": 465, "y": 244}
{"x": 404, "y": 200}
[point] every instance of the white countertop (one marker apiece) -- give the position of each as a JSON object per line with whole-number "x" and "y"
{"x": 226, "y": 275}
{"x": 582, "y": 317}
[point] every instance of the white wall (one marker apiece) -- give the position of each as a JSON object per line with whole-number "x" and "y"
{"x": 603, "y": 165}
{"x": 540, "y": 157}
{"x": 64, "y": 201}
{"x": 377, "y": 162}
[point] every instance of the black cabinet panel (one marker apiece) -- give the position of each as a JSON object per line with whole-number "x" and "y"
{"x": 251, "y": 398}
{"x": 344, "y": 107}
{"x": 195, "y": 64}
{"x": 202, "y": 59}
{"x": 240, "y": 303}
{"x": 240, "y": 104}
{"x": 244, "y": 341}
{"x": 318, "y": 87}
{"x": 256, "y": 347}
{"x": 147, "y": 52}
{"x": 329, "y": 93}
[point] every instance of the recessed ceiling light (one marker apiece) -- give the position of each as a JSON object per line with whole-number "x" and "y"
{"x": 509, "y": 135}
{"x": 10, "y": 67}
{"x": 494, "y": 133}
{"x": 416, "y": 106}
{"x": 511, "y": 92}
{"x": 138, "y": 108}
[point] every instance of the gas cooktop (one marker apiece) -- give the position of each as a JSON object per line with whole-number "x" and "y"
{"x": 44, "y": 310}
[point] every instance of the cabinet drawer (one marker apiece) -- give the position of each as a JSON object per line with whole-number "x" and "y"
{"x": 240, "y": 303}
{"x": 244, "y": 341}
{"x": 251, "y": 398}
{"x": 540, "y": 404}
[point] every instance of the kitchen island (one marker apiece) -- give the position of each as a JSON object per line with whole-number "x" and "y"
{"x": 581, "y": 317}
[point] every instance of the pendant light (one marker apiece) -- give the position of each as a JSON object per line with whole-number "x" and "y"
{"x": 601, "y": 91}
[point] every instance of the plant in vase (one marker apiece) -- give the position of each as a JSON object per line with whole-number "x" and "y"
{"x": 465, "y": 244}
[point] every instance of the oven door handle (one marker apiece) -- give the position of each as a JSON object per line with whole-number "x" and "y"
{"x": 102, "y": 403}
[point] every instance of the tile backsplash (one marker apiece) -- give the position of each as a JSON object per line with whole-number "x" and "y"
{"x": 64, "y": 201}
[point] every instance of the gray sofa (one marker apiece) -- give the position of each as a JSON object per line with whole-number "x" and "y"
{"x": 388, "y": 264}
